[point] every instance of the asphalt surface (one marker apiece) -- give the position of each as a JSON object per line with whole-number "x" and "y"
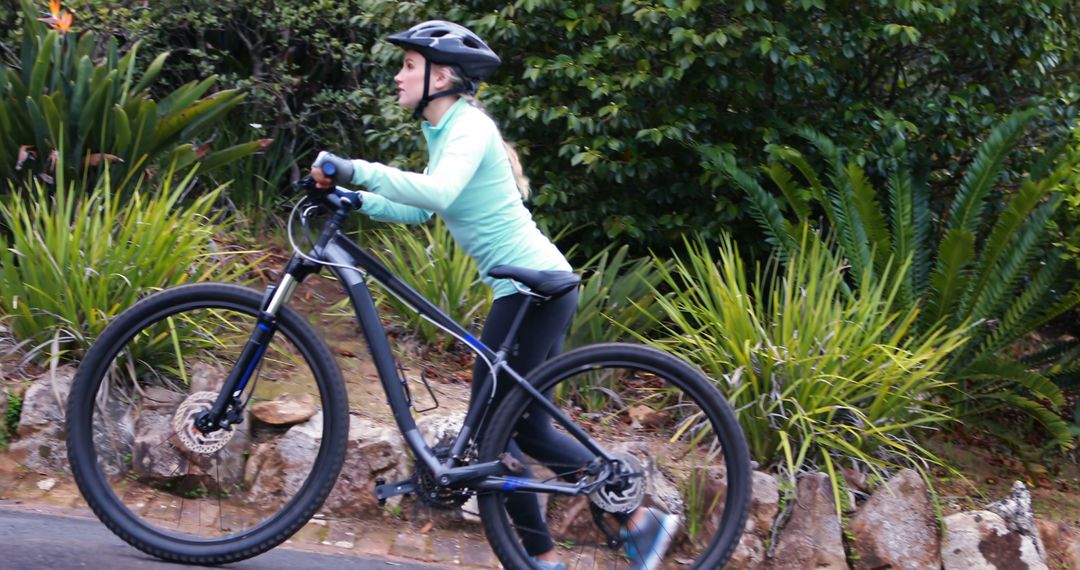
{"x": 32, "y": 541}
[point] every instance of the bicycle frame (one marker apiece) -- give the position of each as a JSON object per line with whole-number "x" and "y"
{"x": 351, "y": 264}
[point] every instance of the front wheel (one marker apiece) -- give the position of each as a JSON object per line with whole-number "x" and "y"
{"x": 682, "y": 456}
{"x": 166, "y": 487}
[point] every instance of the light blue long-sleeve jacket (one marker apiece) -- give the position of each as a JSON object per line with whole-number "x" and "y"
{"x": 469, "y": 183}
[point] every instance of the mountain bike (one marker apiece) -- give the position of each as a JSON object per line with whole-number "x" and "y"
{"x": 208, "y": 423}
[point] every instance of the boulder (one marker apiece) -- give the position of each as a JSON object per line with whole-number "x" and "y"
{"x": 981, "y": 539}
{"x": 1015, "y": 510}
{"x": 750, "y": 552}
{"x": 159, "y": 457}
{"x": 285, "y": 410}
{"x": 1061, "y": 543}
{"x": 277, "y": 468}
{"x": 812, "y": 537}
{"x": 40, "y": 444}
{"x": 896, "y": 528}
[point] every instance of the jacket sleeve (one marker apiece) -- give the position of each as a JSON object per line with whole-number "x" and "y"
{"x": 379, "y": 208}
{"x": 436, "y": 189}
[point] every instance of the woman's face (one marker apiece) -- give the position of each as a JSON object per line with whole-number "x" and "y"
{"x": 410, "y": 80}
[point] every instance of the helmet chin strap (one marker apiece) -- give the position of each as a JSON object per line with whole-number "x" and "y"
{"x": 469, "y": 87}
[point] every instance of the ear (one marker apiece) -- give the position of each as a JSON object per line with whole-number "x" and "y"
{"x": 440, "y": 77}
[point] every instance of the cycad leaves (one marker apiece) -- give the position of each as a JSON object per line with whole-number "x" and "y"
{"x": 966, "y": 209}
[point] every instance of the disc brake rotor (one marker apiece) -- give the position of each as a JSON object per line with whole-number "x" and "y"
{"x": 184, "y": 425}
{"x": 628, "y": 493}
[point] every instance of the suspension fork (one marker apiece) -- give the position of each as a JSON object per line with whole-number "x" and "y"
{"x": 228, "y": 407}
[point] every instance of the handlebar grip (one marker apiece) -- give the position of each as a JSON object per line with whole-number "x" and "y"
{"x": 329, "y": 169}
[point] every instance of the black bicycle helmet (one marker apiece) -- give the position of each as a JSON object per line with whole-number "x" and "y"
{"x": 447, "y": 43}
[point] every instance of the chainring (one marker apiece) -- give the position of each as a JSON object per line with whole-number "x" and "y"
{"x": 429, "y": 491}
{"x": 190, "y": 436}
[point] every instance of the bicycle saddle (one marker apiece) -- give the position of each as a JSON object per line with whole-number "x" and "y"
{"x": 546, "y": 283}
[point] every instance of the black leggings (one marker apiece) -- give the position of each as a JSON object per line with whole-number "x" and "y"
{"x": 540, "y": 337}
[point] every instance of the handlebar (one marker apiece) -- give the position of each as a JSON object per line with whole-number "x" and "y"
{"x": 339, "y": 198}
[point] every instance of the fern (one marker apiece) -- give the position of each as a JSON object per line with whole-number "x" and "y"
{"x": 966, "y": 210}
{"x": 949, "y": 279}
{"x": 873, "y": 220}
{"x": 764, "y": 208}
{"x": 1051, "y": 421}
{"x": 786, "y": 183}
{"x": 1022, "y": 310}
{"x": 1007, "y": 370}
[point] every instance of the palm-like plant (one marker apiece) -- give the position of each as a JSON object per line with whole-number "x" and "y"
{"x": 989, "y": 269}
{"x": 99, "y": 114}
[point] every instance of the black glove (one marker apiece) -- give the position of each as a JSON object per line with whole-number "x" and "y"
{"x": 333, "y": 166}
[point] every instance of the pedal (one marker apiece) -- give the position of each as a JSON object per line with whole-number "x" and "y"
{"x": 511, "y": 463}
{"x": 384, "y": 491}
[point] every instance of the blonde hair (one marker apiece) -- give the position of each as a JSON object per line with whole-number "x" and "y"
{"x": 520, "y": 179}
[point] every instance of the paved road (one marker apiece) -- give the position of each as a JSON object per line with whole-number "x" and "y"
{"x": 33, "y": 541}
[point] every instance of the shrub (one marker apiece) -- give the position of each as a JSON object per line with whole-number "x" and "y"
{"x": 72, "y": 261}
{"x": 63, "y": 108}
{"x": 617, "y": 294}
{"x": 977, "y": 265}
{"x": 817, "y": 376}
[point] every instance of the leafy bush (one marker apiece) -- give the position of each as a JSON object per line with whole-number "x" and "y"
{"x": 98, "y": 116}
{"x": 818, "y": 377}
{"x": 606, "y": 98}
{"x": 70, "y": 262}
{"x": 978, "y": 265}
{"x": 617, "y": 293}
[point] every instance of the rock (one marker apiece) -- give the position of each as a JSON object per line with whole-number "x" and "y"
{"x": 159, "y": 457}
{"x": 812, "y": 537}
{"x": 981, "y": 539}
{"x": 1015, "y": 510}
{"x": 277, "y": 468}
{"x": 750, "y": 552}
{"x": 644, "y": 416}
{"x": 40, "y": 444}
{"x": 285, "y": 410}
{"x": 896, "y": 528}
{"x": 1061, "y": 543}
{"x": 440, "y": 430}
{"x": 207, "y": 377}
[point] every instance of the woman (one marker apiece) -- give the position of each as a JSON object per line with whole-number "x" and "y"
{"x": 473, "y": 180}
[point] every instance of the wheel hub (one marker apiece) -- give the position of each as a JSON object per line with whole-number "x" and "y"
{"x": 190, "y": 436}
{"x": 626, "y": 492}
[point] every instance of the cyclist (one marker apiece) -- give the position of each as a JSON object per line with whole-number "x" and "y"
{"x": 474, "y": 181}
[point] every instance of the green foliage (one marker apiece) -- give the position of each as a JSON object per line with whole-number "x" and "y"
{"x": 98, "y": 112}
{"x": 991, "y": 268}
{"x": 12, "y": 411}
{"x": 429, "y": 261}
{"x": 616, "y": 295}
{"x": 607, "y": 100}
{"x": 71, "y": 261}
{"x": 818, "y": 377}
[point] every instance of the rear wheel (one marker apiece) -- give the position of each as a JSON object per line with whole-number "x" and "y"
{"x": 164, "y": 486}
{"x": 678, "y": 446}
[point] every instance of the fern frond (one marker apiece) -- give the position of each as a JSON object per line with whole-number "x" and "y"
{"x": 817, "y": 188}
{"x": 903, "y": 227}
{"x": 1057, "y": 427}
{"x": 1058, "y": 353}
{"x": 997, "y": 369}
{"x": 949, "y": 279}
{"x": 792, "y": 193}
{"x": 922, "y": 250}
{"x": 873, "y": 220}
{"x": 849, "y": 228}
{"x": 1025, "y": 323}
{"x": 1023, "y": 310}
{"x": 966, "y": 209}
{"x": 763, "y": 207}
{"x": 1000, "y": 280}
